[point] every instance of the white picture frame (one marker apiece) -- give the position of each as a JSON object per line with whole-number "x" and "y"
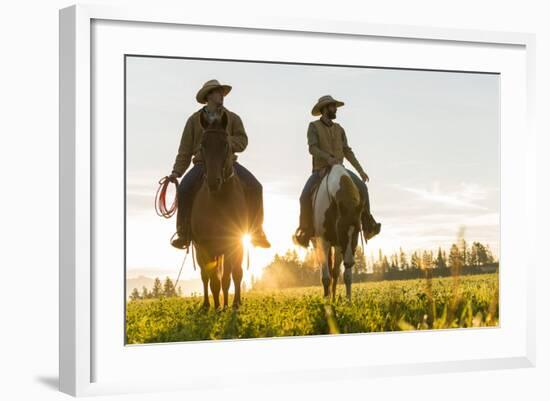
{"x": 88, "y": 362}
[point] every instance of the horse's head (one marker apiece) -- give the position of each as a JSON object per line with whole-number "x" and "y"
{"x": 216, "y": 151}
{"x": 348, "y": 219}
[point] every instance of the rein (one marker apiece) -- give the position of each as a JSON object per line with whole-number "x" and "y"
{"x": 183, "y": 263}
{"x": 330, "y": 197}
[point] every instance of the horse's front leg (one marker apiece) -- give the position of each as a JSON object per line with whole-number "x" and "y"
{"x": 323, "y": 256}
{"x": 237, "y": 273}
{"x": 347, "y": 281}
{"x": 226, "y": 281}
{"x": 215, "y": 284}
{"x": 203, "y": 261}
{"x": 205, "y": 278}
{"x": 336, "y": 263}
{"x": 234, "y": 266}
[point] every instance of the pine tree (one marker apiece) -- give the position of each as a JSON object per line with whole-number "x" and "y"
{"x": 145, "y": 293}
{"x": 168, "y": 289}
{"x": 415, "y": 261}
{"x": 157, "y": 289}
{"x": 481, "y": 254}
{"x": 385, "y": 266}
{"x": 440, "y": 261}
{"x": 455, "y": 259}
{"x": 427, "y": 260}
{"x": 403, "y": 264}
{"x": 135, "y": 295}
{"x": 473, "y": 259}
{"x": 463, "y": 248}
{"x": 490, "y": 257}
{"x": 360, "y": 261}
{"x": 394, "y": 266}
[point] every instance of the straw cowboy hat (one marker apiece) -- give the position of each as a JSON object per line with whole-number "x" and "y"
{"x": 323, "y": 101}
{"x": 208, "y": 86}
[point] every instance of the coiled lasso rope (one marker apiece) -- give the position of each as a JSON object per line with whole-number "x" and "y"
{"x": 160, "y": 198}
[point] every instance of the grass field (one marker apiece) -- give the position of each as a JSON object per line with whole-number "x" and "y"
{"x": 472, "y": 301}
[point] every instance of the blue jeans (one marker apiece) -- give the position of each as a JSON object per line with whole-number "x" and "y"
{"x": 306, "y": 206}
{"x": 191, "y": 182}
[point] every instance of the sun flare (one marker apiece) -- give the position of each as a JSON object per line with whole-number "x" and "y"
{"x": 246, "y": 241}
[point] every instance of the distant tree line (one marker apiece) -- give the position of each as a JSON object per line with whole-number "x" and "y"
{"x": 160, "y": 290}
{"x": 289, "y": 270}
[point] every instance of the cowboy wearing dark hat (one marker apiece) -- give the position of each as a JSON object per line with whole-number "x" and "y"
{"x": 211, "y": 95}
{"x": 328, "y": 145}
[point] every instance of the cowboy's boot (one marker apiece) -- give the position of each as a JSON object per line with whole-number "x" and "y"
{"x": 254, "y": 199}
{"x": 371, "y": 228}
{"x": 182, "y": 238}
{"x": 258, "y": 238}
{"x": 304, "y": 232}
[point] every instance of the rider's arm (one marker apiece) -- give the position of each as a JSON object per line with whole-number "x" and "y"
{"x": 185, "y": 150}
{"x": 313, "y": 143}
{"x": 238, "y": 140}
{"x": 349, "y": 155}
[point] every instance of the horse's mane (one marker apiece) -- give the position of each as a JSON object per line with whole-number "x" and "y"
{"x": 216, "y": 125}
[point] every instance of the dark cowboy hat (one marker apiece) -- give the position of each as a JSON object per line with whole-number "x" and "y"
{"x": 323, "y": 101}
{"x": 208, "y": 86}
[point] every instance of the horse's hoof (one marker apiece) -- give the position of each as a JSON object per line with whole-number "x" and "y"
{"x": 205, "y": 307}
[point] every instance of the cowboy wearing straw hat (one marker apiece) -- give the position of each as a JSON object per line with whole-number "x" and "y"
{"x": 328, "y": 145}
{"x": 211, "y": 95}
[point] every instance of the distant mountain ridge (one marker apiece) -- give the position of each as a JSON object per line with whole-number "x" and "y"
{"x": 188, "y": 287}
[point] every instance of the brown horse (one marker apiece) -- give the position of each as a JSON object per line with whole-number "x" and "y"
{"x": 219, "y": 216}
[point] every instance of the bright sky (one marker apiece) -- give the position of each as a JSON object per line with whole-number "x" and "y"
{"x": 428, "y": 140}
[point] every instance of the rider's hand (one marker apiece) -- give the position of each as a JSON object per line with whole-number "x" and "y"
{"x": 173, "y": 176}
{"x": 332, "y": 161}
{"x": 364, "y": 176}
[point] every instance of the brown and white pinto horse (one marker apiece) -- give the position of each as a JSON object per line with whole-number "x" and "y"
{"x": 337, "y": 207}
{"x": 219, "y": 216}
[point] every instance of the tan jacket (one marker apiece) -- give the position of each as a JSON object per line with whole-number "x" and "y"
{"x": 325, "y": 141}
{"x": 191, "y": 138}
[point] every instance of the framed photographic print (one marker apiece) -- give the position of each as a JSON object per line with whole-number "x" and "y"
{"x": 360, "y": 197}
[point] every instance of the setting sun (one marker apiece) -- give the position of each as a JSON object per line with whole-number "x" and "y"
{"x": 246, "y": 241}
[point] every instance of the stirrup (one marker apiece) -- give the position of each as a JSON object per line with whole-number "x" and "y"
{"x": 180, "y": 242}
{"x": 372, "y": 231}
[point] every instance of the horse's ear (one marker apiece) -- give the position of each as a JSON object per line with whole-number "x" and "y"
{"x": 224, "y": 120}
{"x": 203, "y": 121}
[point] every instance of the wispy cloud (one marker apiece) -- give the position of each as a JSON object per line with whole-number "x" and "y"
{"x": 466, "y": 196}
